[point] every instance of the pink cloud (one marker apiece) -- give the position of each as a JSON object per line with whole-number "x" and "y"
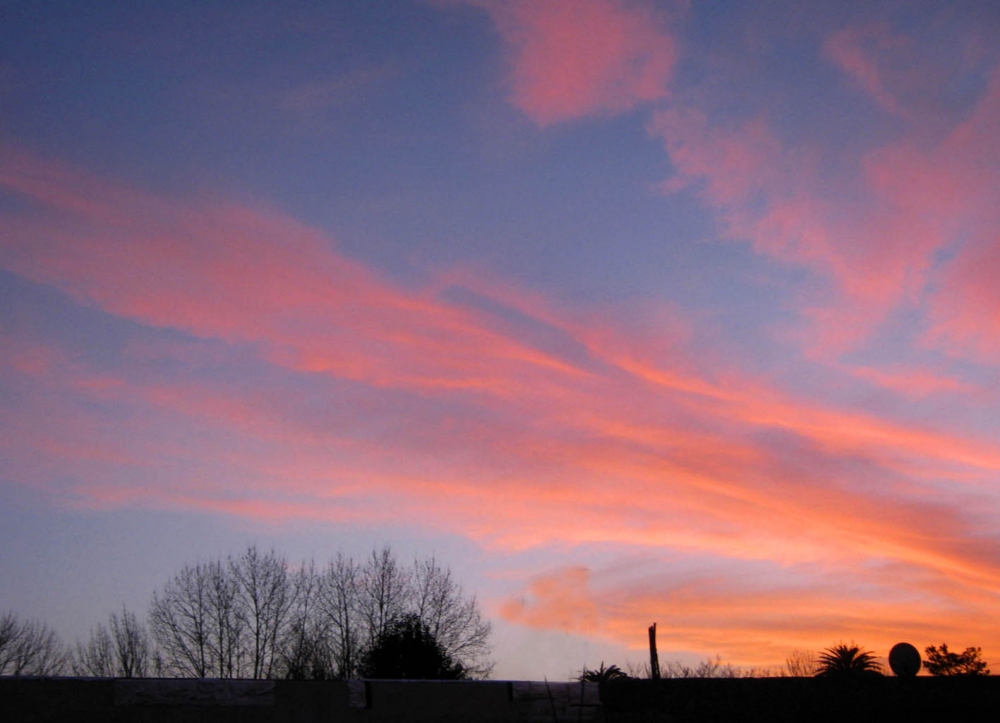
{"x": 241, "y": 276}
{"x": 574, "y": 59}
{"x": 873, "y": 231}
{"x": 165, "y": 265}
{"x": 771, "y": 196}
{"x": 914, "y": 383}
{"x": 442, "y": 412}
{"x": 965, "y": 311}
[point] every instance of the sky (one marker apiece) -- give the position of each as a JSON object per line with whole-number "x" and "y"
{"x": 628, "y": 311}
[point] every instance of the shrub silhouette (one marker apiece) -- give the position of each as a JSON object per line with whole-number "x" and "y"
{"x": 408, "y": 650}
{"x": 941, "y": 661}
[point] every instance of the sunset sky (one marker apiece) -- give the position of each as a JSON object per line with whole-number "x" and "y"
{"x": 629, "y": 311}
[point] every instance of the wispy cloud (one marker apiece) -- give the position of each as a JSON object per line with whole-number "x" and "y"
{"x": 857, "y": 51}
{"x": 899, "y": 224}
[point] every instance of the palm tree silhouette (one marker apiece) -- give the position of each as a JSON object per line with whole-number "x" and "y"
{"x": 602, "y": 674}
{"x": 847, "y": 660}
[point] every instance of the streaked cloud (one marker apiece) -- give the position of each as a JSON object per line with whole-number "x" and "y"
{"x": 489, "y": 411}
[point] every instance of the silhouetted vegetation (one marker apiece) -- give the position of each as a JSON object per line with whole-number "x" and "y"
{"x": 941, "y": 661}
{"x": 708, "y": 668}
{"x": 119, "y": 650}
{"x": 252, "y": 617}
{"x": 602, "y": 674}
{"x": 408, "y": 650}
{"x": 800, "y": 664}
{"x": 255, "y": 616}
{"x": 29, "y": 648}
{"x": 843, "y": 660}
{"x": 226, "y": 619}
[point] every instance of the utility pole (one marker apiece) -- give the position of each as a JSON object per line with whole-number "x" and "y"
{"x": 654, "y": 660}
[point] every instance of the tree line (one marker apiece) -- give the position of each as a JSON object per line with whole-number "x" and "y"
{"x": 853, "y": 660}
{"x": 256, "y": 616}
{"x": 837, "y": 661}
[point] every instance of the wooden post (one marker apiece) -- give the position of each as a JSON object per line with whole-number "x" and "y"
{"x": 654, "y": 660}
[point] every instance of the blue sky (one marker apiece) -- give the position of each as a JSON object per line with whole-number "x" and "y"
{"x": 631, "y": 311}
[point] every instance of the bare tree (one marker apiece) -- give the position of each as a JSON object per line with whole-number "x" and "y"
{"x": 800, "y": 664}
{"x": 96, "y": 658}
{"x": 384, "y": 589}
{"x": 341, "y": 609}
{"x": 132, "y": 648}
{"x": 29, "y": 648}
{"x": 194, "y": 623}
{"x": 637, "y": 670}
{"x": 708, "y": 668}
{"x": 119, "y": 650}
{"x": 224, "y": 642}
{"x": 178, "y": 619}
{"x": 252, "y": 617}
{"x": 453, "y": 618}
{"x": 263, "y": 602}
{"x": 307, "y": 650}
{"x": 359, "y": 602}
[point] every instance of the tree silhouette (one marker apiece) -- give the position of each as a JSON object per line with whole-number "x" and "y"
{"x": 451, "y": 615}
{"x": 256, "y": 616}
{"x": 265, "y": 597}
{"x": 941, "y": 661}
{"x": 843, "y": 660}
{"x": 29, "y": 648}
{"x": 119, "y": 650}
{"x": 195, "y": 625}
{"x": 408, "y": 650}
{"x": 358, "y": 601}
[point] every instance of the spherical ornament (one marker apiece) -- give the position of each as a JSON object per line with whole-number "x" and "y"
{"x": 904, "y": 660}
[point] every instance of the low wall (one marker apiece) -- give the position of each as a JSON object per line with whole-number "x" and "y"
{"x": 777, "y": 700}
{"x": 270, "y": 701}
{"x": 633, "y": 701}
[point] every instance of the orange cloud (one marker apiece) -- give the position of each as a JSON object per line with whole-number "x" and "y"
{"x": 750, "y": 617}
{"x": 572, "y": 59}
{"x": 556, "y": 601}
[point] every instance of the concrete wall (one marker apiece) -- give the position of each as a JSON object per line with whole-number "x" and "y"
{"x": 248, "y": 701}
{"x": 641, "y": 701}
